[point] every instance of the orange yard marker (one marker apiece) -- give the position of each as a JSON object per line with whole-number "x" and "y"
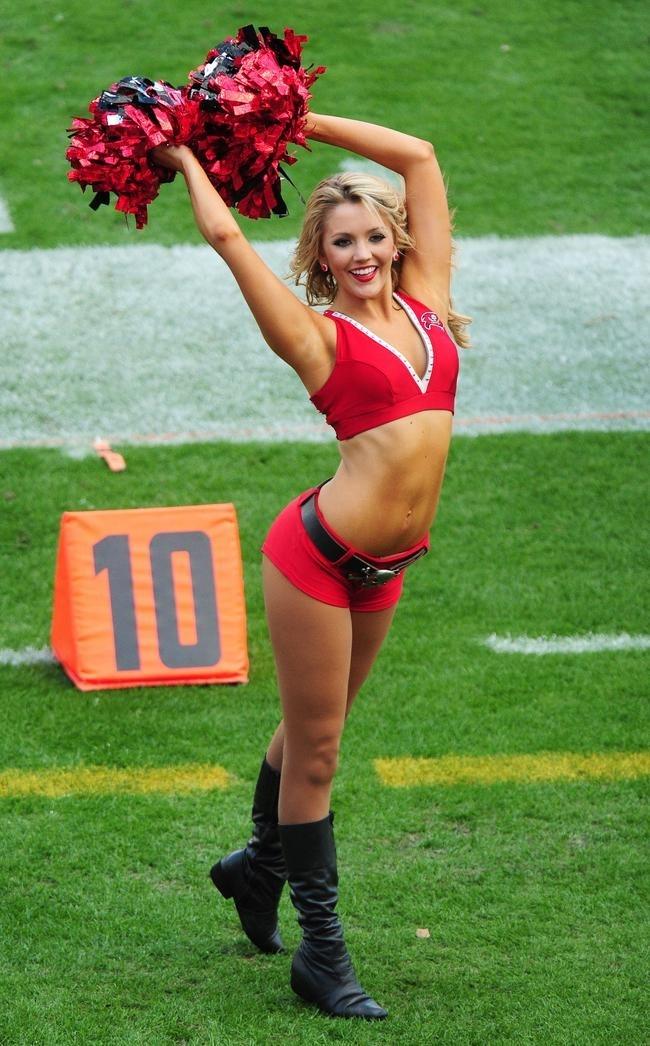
{"x": 147, "y": 597}
{"x": 115, "y": 461}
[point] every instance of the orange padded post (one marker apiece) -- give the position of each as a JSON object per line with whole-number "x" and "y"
{"x": 147, "y": 597}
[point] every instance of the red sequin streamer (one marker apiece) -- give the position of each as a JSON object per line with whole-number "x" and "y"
{"x": 254, "y": 97}
{"x": 110, "y": 150}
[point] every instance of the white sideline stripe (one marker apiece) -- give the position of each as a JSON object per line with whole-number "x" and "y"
{"x": 357, "y": 164}
{"x": 143, "y": 342}
{"x": 31, "y": 655}
{"x": 6, "y": 224}
{"x": 590, "y": 643}
{"x": 316, "y": 431}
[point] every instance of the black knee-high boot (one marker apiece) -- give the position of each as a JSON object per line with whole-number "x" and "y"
{"x": 254, "y": 877}
{"x": 321, "y": 971}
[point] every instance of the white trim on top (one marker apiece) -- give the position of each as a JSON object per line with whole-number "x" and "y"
{"x": 421, "y": 382}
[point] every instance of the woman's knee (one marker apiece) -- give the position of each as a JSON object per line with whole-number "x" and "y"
{"x": 318, "y": 760}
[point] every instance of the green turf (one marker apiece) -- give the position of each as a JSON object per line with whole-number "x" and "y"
{"x": 537, "y": 110}
{"x": 535, "y": 895}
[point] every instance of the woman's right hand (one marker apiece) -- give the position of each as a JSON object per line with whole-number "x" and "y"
{"x": 171, "y": 156}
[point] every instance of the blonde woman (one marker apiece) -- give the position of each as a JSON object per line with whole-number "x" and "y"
{"x": 382, "y": 366}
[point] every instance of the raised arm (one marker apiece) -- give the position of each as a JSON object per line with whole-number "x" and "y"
{"x": 295, "y": 332}
{"x": 426, "y": 269}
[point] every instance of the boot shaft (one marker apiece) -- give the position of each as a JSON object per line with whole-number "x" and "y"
{"x": 264, "y": 844}
{"x": 267, "y": 791}
{"x": 310, "y": 856}
{"x": 309, "y": 846}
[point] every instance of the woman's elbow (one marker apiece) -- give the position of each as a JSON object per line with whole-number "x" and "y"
{"x": 424, "y": 150}
{"x": 221, "y": 237}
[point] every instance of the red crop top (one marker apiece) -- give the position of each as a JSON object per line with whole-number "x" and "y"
{"x": 373, "y": 383}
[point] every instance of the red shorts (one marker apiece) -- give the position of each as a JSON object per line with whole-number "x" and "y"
{"x": 292, "y": 551}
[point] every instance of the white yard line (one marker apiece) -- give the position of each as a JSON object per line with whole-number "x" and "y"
{"x": 6, "y": 224}
{"x": 29, "y": 655}
{"x": 591, "y": 643}
{"x": 358, "y": 165}
{"x": 82, "y": 445}
{"x": 145, "y": 343}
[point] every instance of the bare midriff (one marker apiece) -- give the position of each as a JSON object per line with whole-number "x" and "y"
{"x": 384, "y": 494}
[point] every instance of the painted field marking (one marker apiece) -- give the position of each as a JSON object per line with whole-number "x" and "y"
{"x": 576, "y": 420}
{"x": 105, "y": 780}
{"x": 492, "y": 769}
{"x": 6, "y": 224}
{"x": 215, "y": 379}
{"x": 591, "y": 643}
{"x": 359, "y": 165}
{"x": 317, "y": 430}
{"x": 30, "y": 655}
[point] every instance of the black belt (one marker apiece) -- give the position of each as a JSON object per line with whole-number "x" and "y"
{"x": 355, "y": 568}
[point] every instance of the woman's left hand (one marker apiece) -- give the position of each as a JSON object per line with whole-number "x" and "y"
{"x": 311, "y": 124}
{"x": 171, "y": 156}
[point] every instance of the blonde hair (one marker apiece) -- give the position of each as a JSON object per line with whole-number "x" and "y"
{"x": 382, "y": 199}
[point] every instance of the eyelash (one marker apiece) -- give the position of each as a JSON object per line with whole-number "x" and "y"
{"x": 379, "y": 236}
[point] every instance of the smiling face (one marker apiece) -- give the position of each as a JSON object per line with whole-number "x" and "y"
{"x": 358, "y": 247}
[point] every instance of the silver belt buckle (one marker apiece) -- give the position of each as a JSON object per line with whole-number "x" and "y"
{"x": 371, "y": 576}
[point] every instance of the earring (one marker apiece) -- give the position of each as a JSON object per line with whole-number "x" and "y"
{"x": 324, "y": 267}
{"x": 396, "y": 256}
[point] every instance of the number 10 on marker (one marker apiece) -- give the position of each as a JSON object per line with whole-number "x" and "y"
{"x": 113, "y": 554}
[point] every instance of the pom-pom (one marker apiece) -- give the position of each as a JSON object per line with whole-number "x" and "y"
{"x": 254, "y": 95}
{"x": 110, "y": 150}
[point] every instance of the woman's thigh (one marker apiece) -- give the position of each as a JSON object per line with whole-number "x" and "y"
{"x": 312, "y": 644}
{"x": 284, "y": 606}
{"x": 369, "y": 630}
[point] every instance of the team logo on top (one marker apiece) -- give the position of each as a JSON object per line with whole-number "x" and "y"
{"x": 429, "y": 320}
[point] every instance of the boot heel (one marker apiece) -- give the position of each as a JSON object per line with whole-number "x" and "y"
{"x": 261, "y": 927}
{"x": 221, "y": 881}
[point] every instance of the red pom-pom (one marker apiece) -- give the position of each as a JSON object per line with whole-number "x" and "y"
{"x": 254, "y": 97}
{"x": 110, "y": 150}
{"x": 245, "y": 105}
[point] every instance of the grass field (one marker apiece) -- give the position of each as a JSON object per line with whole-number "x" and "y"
{"x": 533, "y": 893}
{"x": 533, "y": 886}
{"x": 537, "y": 111}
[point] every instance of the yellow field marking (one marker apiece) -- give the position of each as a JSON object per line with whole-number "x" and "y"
{"x": 489, "y": 769}
{"x": 106, "y": 780}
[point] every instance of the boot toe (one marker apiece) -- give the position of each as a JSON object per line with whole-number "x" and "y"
{"x": 337, "y": 996}
{"x": 355, "y": 1003}
{"x": 368, "y": 1009}
{"x": 261, "y": 928}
